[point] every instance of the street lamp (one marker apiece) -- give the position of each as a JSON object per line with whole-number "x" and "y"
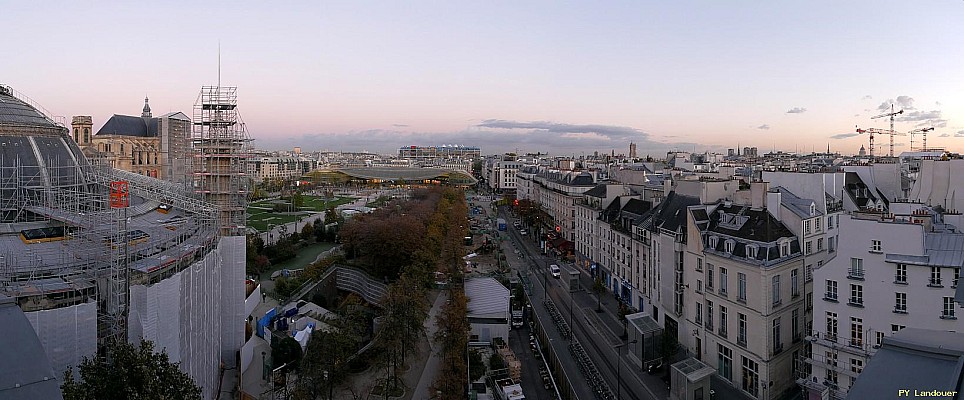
{"x": 619, "y": 365}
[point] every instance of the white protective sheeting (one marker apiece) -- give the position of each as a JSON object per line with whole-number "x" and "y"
{"x": 196, "y": 315}
{"x": 232, "y": 314}
{"x": 68, "y": 334}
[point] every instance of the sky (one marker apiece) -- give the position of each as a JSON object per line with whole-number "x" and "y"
{"x": 567, "y": 78}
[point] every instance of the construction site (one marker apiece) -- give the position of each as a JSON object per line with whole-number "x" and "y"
{"x": 92, "y": 254}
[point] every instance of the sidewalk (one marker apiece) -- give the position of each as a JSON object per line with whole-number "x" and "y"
{"x": 430, "y": 369}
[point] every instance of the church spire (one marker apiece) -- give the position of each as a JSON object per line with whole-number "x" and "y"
{"x": 147, "y": 109}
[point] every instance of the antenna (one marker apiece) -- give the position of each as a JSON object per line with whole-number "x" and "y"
{"x": 219, "y": 63}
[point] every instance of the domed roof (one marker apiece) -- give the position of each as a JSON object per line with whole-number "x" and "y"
{"x": 14, "y": 111}
{"x": 39, "y": 165}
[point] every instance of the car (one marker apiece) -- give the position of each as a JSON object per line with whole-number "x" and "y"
{"x": 555, "y": 271}
{"x": 522, "y": 232}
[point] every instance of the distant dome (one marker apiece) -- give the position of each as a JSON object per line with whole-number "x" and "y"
{"x": 39, "y": 164}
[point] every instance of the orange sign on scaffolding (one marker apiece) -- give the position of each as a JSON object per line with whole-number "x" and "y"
{"x": 119, "y": 194}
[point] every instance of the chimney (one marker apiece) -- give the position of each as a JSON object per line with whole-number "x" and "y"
{"x": 758, "y": 194}
{"x": 773, "y": 204}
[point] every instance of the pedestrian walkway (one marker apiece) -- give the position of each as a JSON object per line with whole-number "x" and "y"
{"x": 430, "y": 369}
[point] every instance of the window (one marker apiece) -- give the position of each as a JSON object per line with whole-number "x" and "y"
{"x": 741, "y": 286}
{"x": 880, "y": 338}
{"x": 751, "y": 376}
{"x": 795, "y": 325}
{"x": 87, "y": 135}
{"x": 809, "y": 247}
{"x": 725, "y": 362}
{"x": 699, "y": 286}
{"x": 935, "y": 277}
{"x": 948, "y": 308}
{"x": 777, "y": 344}
{"x": 785, "y": 249}
{"x": 856, "y": 366}
{"x": 723, "y": 280}
{"x": 722, "y": 320}
{"x": 875, "y": 246}
{"x": 794, "y": 283}
{"x": 856, "y": 331}
{"x": 856, "y": 269}
{"x": 830, "y": 244}
{"x": 728, "y": 246}
{"x": 957, "y": 275}
{"x": 699, "y": 265}
{"x": 776, "y": 289}
{"x": 901, "y": 276}
{"x": 900, "y": 302}
{"x": 809, "y": 271}
{"x": 831, "y": 326}
{"x": 830, "y": 222}
{"x": 831, "y": 372}
{"x": 806, "y": 227}
{"x": 741, "y": 329}
{"x": 894, "y": 328}
{"x": 856, "y": 295}
{"x": 709, "y": 276}
{"x": 831, "y": 293}
{"x": 709, "y": 315}
{"x": 820, "y": 244}
{"x": 713, "y": 241}
{"x": 816, "y": 224}
{"x": 699, "y": 313}
{"x": 751, "y": 251}
{"x": 76, "y": 135}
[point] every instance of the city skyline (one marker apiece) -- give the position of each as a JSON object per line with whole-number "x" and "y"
{"x": 568, "y": 79}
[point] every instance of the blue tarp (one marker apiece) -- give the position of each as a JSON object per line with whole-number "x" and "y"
{"x": 265, "y": 320}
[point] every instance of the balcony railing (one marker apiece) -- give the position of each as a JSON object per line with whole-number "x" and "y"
{"x": 830, "y": 296}
{"x": 934, "y": 282}
{"x": 856, "y": 274}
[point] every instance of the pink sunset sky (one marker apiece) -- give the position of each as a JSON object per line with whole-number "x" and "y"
{"x": 509, "y": 76}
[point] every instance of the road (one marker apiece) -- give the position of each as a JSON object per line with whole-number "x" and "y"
{"x": 598, "y": 334}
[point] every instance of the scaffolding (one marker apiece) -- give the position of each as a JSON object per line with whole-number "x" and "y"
{"x": 220, "y": 142}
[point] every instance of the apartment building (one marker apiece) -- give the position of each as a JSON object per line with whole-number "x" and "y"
{"x": 501, "y": 174}
{"x": 893, "y": 270}
{"x": 739, "y": 295}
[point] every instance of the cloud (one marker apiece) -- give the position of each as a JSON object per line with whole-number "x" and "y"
{"x": 959, "y": 134}
{"x": 399, "y": 125}
{"x": 797, "y": 110}
{"x": 844, "y": 135}
{"x": 494, "y": 136}
{"x": 946, "y": 134}
{"x": 856, "y": 115}
{"x": 937, "y": 104}
{"x": 902, "y": 102}
{"x": 764, "y": 127}
{"x": 868, "y": 97}
{"x": 568, "y": 130}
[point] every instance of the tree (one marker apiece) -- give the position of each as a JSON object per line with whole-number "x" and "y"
{"x": 286, "y": 351}
{"x": 476, "y": 365}
{"x": 308, "y": 232}
{"x": 133, "y": 373}
{"x": 598, "y": 287}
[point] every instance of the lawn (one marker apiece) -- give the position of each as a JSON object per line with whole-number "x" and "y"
{"x": 317, "y": 203}
{"x": 260, "y": 219}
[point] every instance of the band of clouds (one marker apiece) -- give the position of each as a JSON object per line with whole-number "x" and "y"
{"x": 934, "y": 118}
{"x": 497, "y": 135}
{"x": 764, "y": 127}
{"x": 797, "y": 110}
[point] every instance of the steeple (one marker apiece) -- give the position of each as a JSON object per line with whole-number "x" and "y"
{"x": 147, "y": 109}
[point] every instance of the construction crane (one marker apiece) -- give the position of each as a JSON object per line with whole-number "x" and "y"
{"x": 922, "y": 131}
{"x": 891, "y": 114}
{"x": 875, "y": 131}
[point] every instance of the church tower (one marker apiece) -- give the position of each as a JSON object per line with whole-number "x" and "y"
{"x": 81, "y": 127}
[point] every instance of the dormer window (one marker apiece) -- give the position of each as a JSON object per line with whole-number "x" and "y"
{"x": 813, "y": 209}
{"x": 728, "y": 246}
{"x": 751, "y": 251}
{"x": 714, "y": 240}
{"x": 784, "y": 248}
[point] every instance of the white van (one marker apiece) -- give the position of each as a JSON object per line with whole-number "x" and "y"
{"x": 554, "y": 269}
